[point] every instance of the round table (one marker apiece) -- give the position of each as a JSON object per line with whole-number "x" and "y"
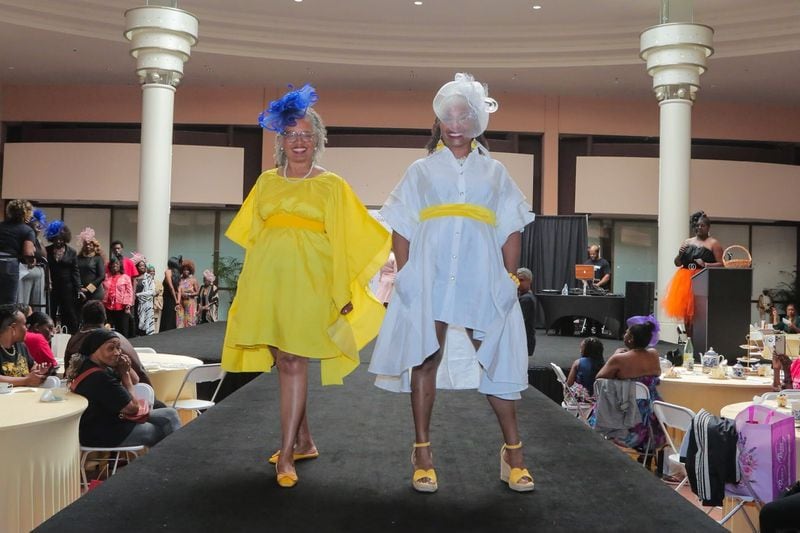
{"x": 699, "y": 391}
{"x": 41, "y": 473}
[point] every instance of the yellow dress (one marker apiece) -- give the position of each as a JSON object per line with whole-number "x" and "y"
{"x": 310, "y": 248}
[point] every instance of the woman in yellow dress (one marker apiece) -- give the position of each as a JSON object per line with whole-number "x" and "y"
{"x": 311, "y": 249}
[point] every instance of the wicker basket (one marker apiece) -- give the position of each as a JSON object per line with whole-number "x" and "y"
{"x": 736, "y": 257}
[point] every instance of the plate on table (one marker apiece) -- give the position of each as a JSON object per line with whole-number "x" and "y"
{"x": 719, "y": 378}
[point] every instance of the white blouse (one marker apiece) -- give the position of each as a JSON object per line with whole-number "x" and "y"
{"x": 455, "y": 273}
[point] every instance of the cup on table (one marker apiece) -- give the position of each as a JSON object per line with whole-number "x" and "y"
{"x": 796, "y": 411}
{"x": 5, "y": 387}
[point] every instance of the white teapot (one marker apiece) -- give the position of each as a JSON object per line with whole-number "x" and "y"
{"x": 711, "y": 359}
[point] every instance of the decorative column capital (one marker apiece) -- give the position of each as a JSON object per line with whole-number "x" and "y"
{"x": 676, "y": 55}
{"x": 161, "y": 41}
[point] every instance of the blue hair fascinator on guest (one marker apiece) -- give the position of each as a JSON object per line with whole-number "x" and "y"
{"x": 649, "y": 319}
{"x": 288, "y": 109}
{"x": 40, "y": 217}
{"x": 53, "y": 229}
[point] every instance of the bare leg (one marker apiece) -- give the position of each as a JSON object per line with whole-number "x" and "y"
{"x": 506, "y": 413}
{"x": 423, "y": 394}
{"x": 293, "y": 380}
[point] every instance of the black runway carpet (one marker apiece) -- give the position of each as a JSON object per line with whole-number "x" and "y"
{"x": 213, "y": 474}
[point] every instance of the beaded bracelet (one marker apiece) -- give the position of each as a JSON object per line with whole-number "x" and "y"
{"x": 514, "y": 278}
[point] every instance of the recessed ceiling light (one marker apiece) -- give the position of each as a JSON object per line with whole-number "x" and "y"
{"x": 537, "y": 6}
{"x": 418, "y": 3}
{"x": 298, "y": 1}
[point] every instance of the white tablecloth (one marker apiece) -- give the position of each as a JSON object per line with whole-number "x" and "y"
{"x": 699, "y": 391}
{"x": 41, "y": 472}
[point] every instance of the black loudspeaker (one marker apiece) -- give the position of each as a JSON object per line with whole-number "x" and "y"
{"x": 639, "y": 296}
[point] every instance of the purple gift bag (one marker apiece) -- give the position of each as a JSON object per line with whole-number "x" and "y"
{"x": 766, "y": 451}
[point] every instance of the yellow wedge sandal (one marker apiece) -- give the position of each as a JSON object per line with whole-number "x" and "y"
{"x": 423, "y": 480}
{"x": 515, "y": 477}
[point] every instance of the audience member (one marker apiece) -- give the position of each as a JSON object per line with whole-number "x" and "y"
{"x": 91, "y": 267}
{"x": 172, "y": 276}
{"x": 93, "y": 316}
{"x": 188, "y": 288}
{"x": 16, "y": 244}
{"x": 792, "y": 321}
{"x": 638, "y": 361}
{"x": 34, "y": 275}
{"x": 16, "y": 365}
{"x": 37, "y": 339}
{"x": 119, "y": 297}
{"x": 158, "y": 298}
{"x": 102, "y": 374}
{"x": 527, "y": 302}
{"x": 208, "y": 300}
{"x": 128, "y": 267}
{"x": 584, "y": 370}
{"x": 62, "y": 260}
{"x": 144, "y": 290}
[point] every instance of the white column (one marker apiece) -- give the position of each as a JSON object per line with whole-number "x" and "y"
{"x": 676, "y": 55}
{"x": 155, "y": 173}
{"x": 673, "y": 193}
{"x": 161, "y": 41}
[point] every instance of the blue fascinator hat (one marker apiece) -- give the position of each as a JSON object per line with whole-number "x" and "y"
{"x": 288, "y": 109}
{"x": 53, "y": 229}
{"x": 40, "y": 217}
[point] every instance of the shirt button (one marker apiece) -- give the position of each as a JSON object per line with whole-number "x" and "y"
{"x": 452, "y": 278}
{"x": 455, "y": 257}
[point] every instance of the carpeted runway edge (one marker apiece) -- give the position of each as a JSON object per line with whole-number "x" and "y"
{"x": 213, "y": 475}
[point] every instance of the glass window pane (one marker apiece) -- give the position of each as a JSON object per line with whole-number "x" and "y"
{"x": 229, "y": 251}
{"x": 191, "y": 235}
{"x": 125, "y": 230}
{"x": 635, "y": 253}
{"x": 78, "y": 218}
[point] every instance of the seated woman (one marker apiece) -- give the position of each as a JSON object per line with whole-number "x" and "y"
{"x": 37, "y": 339}
{"x": 639, "y": 361}
{"x": 102, "y": 374}
{"x": 16, "y": 365}
{"x": 584, "y": 370}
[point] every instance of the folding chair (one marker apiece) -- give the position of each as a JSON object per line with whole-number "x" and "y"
{"x": 791, "y": 394}
{"x": 643, "y": 393}
{"x": 571, "y": 404}
{"x": 673, "y": 416}
{"x": 113, "y": 455}
{"x": 200, "y": 374}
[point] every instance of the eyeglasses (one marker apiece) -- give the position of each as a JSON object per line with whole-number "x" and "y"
{"x": 294, "y": 136}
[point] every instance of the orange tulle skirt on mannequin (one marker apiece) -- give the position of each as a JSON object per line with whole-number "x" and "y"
{"x": 679, "y": 299}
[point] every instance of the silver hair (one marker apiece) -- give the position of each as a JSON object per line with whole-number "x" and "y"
{"x": 524, "y": 273}
{"x": 320, "y": 138}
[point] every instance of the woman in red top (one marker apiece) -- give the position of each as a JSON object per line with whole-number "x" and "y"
{"x": 37, "y": 339}
{"x": 118, "y": 298}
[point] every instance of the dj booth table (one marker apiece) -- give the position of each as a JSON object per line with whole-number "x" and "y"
{"x": 608, "y": 310}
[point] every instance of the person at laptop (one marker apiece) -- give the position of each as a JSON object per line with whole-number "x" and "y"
{"x": 602, "y": 269}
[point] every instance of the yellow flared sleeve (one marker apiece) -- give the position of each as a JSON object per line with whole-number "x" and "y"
{"x": 360, "y": 247}
{"x": 244, "y": 228}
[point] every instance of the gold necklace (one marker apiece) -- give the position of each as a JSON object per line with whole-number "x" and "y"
{"x": 13, "y": 352}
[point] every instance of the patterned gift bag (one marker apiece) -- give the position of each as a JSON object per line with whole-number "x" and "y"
{"x": 766, "y": 451}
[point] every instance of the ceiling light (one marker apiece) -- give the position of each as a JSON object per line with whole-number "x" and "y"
{"x": 537, "y": 6}
{"x": 418, "y": 3}
{"x": 298, "y": 1}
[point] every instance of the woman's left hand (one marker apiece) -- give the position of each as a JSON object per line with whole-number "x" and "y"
{"x": 123, "y": 364}
{"x": 347, "y": 308}
{"x": 700, "y": 263}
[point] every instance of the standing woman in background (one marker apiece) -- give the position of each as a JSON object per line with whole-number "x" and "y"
{"x": 119, "y": 297}
{"x": 187, "y": 296}
{"x": 34, "y": 275}
{"x": 169, "y": 316}
{"x": 158, "y": 298}
{"x": 16, "y": 245}
{"x": 696, "y": 253}
{"x": 311, "y": 248}
{"x": 62, "y": 260}
{"x": 91, "y": 267}
{"x": 143, "y": 290}
{"x": 208, "y": 300}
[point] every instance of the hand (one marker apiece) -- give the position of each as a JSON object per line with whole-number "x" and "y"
{"x": 700, "y": 263}
{"x": 774, "y": 313}
{"x": 128, "y": 309}
{"x": 347, "y": 308}
{"x": 682, "y": 248}
{"x": 123, "y": 364}
{"x": 41, "y": 369}
{"x": 33, "y": 379}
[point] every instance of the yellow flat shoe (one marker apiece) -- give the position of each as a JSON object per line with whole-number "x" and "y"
{"x": 423, "y": 480}
{"x": 297, "y": 456}
{"x": 518, "y": 479}
{"x": 286, "y": 480}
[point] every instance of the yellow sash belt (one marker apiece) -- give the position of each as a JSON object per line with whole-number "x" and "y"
{"x": 285, "y": 220}
{"x": 476, "y": 212}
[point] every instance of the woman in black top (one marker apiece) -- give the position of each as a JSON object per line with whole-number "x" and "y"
{"x": 171, "y": 278}
{"x": 91, "y": 267}
{"x": 62, "y": 260}
{"x": 16, "y": 244}
{"x": 695, "y": 253}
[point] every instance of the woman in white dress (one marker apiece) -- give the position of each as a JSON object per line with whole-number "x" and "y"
{"x": 456, "y": 218}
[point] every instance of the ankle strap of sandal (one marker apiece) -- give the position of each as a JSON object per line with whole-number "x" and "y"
{"x": 422, "y": 444}
{"x": 514, "y": 446}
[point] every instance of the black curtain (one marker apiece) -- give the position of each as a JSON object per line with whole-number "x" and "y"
{"x": 551, "y": 247}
